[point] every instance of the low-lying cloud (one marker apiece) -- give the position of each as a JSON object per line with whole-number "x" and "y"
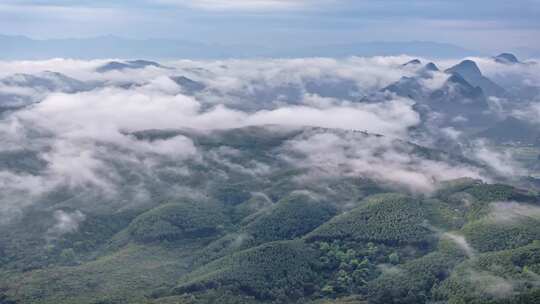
{"x": 85, "y": 136}
{"x": 461, "y": 242}
{"x": 512, "y": 212}
{"x": 66, "y": 222}
{"x": 383, "y": 159}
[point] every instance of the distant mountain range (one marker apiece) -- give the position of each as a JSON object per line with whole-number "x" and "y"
{"x": 471, "y": 73}
{"x": 313, "y": 181}
{"x": 463, "y": 95}
{"x": 20, "y": 47}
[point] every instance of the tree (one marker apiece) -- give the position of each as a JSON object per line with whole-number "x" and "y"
{"x": 67, "y": 256}
{"x": 393, "y": 258}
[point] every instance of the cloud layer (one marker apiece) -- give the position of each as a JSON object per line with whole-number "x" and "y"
{"x": 244, "y": 5}
{"x": 77, "y": 131}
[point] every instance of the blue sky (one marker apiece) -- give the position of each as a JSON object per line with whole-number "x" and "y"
{"x": 482, "y": 25}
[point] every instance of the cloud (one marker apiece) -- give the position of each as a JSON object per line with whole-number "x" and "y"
{"x": 531, "y": 112}
{"x": 388, "y": 161}
{"x": 390, "y": 118}
{"x": 486, "y": 283}
{"x": 80, "y": 128}
{"x": 102, "y": 114}
{"x": 509, "y": 74}
{"x": 86, "y": 138}
{"x": 76, "y": 164}
{"x": 308, "y": 21}
{"x": 228, "y": 157}
{"x": 19, "y": 191}
{"x": 436, "y": 81}
{"x": 54, "y": 11}
{"x": 246, "y": 5}
{"x": 461, "y": 242}
{"x": 502, "y": 162}
{"x": 232, "y": 75}
{"x": 66, "y": 222}
{"x": 511, "y": 212}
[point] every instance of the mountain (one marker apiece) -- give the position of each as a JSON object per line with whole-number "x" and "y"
{"x": 431, "y": 67}
{"x": 188, "y": 85}
{"x": 466, "y": 69}
{"x": 281, "y": 240}
{"x": 40, "y": 84}
{"x": 130, "y": 64}
{"x": 455, "y": 99}
{"x": 411, "y": 86}
{"x": 470, "y": 72}
{"x": 407, "y": 87}
{"x": 506, "y": 58}
{"x": 414, "y": 62}
{"x": 425, "y": 70}
{"x": 458, "y": 89}
{"x": 20, "y": 47}
{"x": 133, "y": 192}
{"x": 47, "y": 80}
{"x": 513, "y": 131}
{"x": 459, "y": 101}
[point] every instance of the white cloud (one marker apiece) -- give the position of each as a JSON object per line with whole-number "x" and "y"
{"x": 436, "y": 81}
{"x": 19, "y": 191}
{"x": 461, "y": 242}
{"x": 486, "y": 283}
{"x": 245, "y": 5}
{"x": 76, "y": 164}
{"x": 83, "y": 138}
{"x": 81, "y": 134}
{"x": 103, "y": 114}
{"x": 502, "y": 162}
{"x": 391, "y": 162}
{"x": 531, "y": 112}
{"x": 509, "y": 74}
{"x": 511, "y": 212}
{"x": 232, "y": 75}
{"x": 66, "y": 222}
{"x": 390, "y": 118}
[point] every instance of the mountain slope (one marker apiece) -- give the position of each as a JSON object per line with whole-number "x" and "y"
{"x": 472, "y": 74}
{"x": 200, "y": 252}
{"x": 513, "y": 130}
{"x": 20, "y": 47}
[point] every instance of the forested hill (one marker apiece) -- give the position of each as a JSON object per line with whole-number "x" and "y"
{"x": 274, "y": 220}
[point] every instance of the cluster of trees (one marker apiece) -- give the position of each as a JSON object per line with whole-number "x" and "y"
{"x": 497, "y": 192}
{"x": 390, "y": 219}
{"x": 180, "y": 220}
{"x": 296, "y": 247}
{"x": 508, "y": 276}
{"x": 488, "y": 234}
{"x": 349, "y": 269}
{"x": 291, "y": 217}
{"x": 278, "y": 271}
{"x": 413, "y": 281}
{"x": 391, "y": 230}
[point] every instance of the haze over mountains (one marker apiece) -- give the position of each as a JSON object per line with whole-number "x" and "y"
{"x": 20, "y": 47}
{"x": 386, "y": 179}
{"x": 269, "y": 152}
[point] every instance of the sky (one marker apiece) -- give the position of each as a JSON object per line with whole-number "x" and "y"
{"x": 482, "y": 25}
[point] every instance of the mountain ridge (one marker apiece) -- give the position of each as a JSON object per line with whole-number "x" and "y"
{"x": 21, "y": 47}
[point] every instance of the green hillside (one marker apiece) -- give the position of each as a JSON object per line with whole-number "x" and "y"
{"x": 248, "y": 221}
{"x": 391, "y": 219}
